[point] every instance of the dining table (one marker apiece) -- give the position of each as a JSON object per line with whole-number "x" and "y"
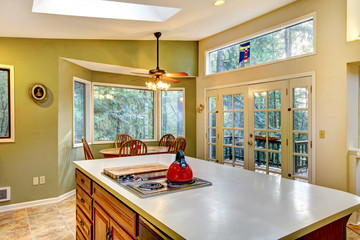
{"x": 114, "y": 152}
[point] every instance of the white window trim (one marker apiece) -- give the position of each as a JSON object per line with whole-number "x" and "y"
{"x": 12, "y": 104}
{"x": 87, "y": 111}
{"x": 160, "y": 105}
{"x": 258, "y": 34}
{"x": 156, "y": 125}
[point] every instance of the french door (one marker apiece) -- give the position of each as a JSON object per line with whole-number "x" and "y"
{"x": 262, "y": 127}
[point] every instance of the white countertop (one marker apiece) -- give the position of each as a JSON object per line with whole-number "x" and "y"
{"x": 240, "y": 204}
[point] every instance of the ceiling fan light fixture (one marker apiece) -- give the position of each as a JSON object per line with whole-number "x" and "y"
{"x": 157, "y": 85}
{"x": 219, "y": 2}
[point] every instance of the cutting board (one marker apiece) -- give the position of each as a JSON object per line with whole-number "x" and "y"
{"x": 117, "y": 172}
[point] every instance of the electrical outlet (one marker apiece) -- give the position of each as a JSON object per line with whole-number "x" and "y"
{"x": 35, "y": 181}
{"x": 42, "y": 179}
{"x": 322, "y": 134}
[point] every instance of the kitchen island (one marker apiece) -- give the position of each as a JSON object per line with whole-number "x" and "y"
{"x": 240, "y": 204}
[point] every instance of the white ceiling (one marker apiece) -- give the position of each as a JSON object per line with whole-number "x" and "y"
{"x": 198, "y": 19}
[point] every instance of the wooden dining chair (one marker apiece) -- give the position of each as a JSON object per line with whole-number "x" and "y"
{"x": 178, "y": 144}
{"x": 120, "y": 139}
{"x": 132, "y": 147}
{"x": 87, "y": 151}
{"x": 166, "y": 140}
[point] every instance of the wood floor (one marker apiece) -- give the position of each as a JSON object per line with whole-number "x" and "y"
{"x": 57, "y": 222}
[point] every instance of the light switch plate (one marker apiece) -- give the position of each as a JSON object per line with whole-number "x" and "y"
{"x": 322, "y": 134}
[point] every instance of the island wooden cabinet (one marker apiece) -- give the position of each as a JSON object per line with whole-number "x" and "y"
{"x": 101, "y": 216}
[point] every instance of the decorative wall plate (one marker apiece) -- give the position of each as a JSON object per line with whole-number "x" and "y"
{"x": 38, "y": 92}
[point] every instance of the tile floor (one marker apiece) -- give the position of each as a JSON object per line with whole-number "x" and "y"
{"x": 47, "y": 222}
{"x": 57, "y": 222}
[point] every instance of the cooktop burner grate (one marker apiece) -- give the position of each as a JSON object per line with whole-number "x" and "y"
{"x": 149, "y": 186}
{"x": 179, "y": 184}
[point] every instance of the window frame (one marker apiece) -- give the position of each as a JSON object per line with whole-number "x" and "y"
{"x": 87, "y": 101}
{"x": 11, "y": 90}
{"x": 259, "y": 34}
{"x": 156, "y": 127}
{"x": 160, "y": 108}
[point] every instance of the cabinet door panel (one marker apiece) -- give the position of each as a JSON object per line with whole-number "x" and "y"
{"x": 101, "y": 223}
{"x": 117, "y": 232}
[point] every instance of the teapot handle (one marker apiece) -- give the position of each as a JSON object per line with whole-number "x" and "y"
{"x": 180, "y": 157}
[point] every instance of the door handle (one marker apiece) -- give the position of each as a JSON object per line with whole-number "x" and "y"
{"x": 250, "y": 143}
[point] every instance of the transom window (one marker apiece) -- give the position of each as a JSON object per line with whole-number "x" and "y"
{"x": 282, "y": 43}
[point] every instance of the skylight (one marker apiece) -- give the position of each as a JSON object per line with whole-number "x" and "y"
{"x": 104, "y": 9}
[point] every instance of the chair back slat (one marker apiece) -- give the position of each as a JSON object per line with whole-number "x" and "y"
{"x": 178, "y": 144}
{"x": 166, "y": 140}
{"x": 120, "y": 139}
{"x": 87, "y": 151}
{"x": 132, "y": 147}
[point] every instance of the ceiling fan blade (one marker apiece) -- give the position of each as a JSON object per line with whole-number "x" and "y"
{"x": 170, "y": 79}
{"x": 140, "y": 73}
{"x": 178, "y": 74}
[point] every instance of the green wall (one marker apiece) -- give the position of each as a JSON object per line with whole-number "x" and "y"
{"x": 38, "y": 134}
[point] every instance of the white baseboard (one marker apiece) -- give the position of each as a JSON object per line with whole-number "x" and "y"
{"x": 37, "y": 202}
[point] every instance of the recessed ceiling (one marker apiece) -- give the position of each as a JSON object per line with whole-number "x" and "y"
{"x": 198, "y": 19}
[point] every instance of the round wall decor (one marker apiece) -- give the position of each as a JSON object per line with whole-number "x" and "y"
{"x": 38, "y": 92}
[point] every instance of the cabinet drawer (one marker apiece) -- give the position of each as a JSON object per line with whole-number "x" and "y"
{"x": 84, "y": 202}
{"x": 83, "y": 181}
{"x": 79, "y": 235}
{"x": 83, "y": 223}
{"x": 123, "y": 215}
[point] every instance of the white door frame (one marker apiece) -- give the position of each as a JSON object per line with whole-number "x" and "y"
{"x": 279, "y": 78}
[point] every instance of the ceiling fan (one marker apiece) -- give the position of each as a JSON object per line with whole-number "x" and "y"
{"x": 161, "y": 74}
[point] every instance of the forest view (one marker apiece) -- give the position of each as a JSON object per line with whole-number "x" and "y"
{"x": 172, "y": 109}
{"x": 4, "y": 103}
{"x": 284, "y": 43}
{"x": 121, "y": 110}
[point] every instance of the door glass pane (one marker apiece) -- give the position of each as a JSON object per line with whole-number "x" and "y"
{"x": 228, "y": 120}
{"x": 228, "y": 137}
{"x": 212, "y": 103}
{"x": 275, "y": 141}
{"x": 274, "y": 120}
{"x": 227, "y": 102}
{"x": 212, "y": 119}
{"x": 301, "y": 120}
{"x": 274, "y": 99}
{"x": 239, "y": 155}
{"x": 239, "y": 102}
{"x": 212, "y": 135}
{"x": 260, "y": 159}
{"x": 238, "y": 119}
{"x": 300, "y": 143}
{"x": 301, "y": 166}
{"x": 300, "y": 97}
{"x": 239, "y": 138}
{"x": 260, "y": 120}
{"x": 228, "y": 154}
{"x": 260, "y": 140}
{"x": 274, "y": 161}
{"x": 259, "y": 100}
{"x": 212, "y": 151}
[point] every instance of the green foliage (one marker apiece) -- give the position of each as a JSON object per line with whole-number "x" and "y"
{"x": 172, "y": 113}
{"x": 79, "y": 111}
{"x": 288, "y": 42}
{"x": 4, "y": 104}
{"x": 120, "y": 110}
